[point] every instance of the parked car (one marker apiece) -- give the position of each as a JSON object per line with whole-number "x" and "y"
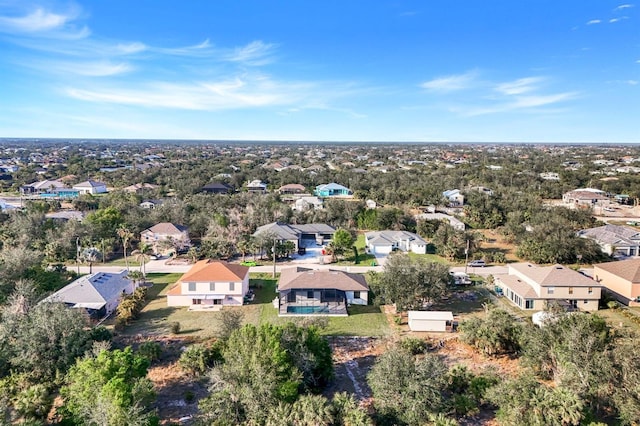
{"x": 478, "y": 263}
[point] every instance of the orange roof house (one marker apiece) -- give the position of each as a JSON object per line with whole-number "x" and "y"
{"x": 210, "y": 284}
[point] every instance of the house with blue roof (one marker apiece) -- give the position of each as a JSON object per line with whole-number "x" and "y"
{"x": 332, "y": 190}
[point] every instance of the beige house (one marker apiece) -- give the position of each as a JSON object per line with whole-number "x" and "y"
{"x": 210, "y": 284}
{"x": 177, "y": 235}
{"x": 622, "y": 279}
{"x": 531, "y": 287}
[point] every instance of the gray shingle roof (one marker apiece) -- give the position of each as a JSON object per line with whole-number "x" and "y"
{"x": 92, "y": 291}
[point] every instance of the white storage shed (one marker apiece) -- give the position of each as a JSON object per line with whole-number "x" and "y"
{"x": 430, "y": 320}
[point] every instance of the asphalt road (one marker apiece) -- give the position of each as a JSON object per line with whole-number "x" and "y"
{"x": 160, "y": 266}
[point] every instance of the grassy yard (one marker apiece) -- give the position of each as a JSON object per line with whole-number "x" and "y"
{"x": 157, "y": 316}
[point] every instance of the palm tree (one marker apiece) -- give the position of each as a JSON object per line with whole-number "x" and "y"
{"x": 141, "y": 255}
{"x": 244, "y": 247}
{"x": 193, "y": 254}
{"x": 90, "y": 255}
{"x": 125, "y": 235}
{"x": 135, "y": 276}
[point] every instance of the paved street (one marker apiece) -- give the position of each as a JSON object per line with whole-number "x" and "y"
{"x": 161, "y": 267}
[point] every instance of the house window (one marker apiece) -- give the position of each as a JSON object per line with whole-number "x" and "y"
{"x": 192, "y": 286}
{"x": 586, "y": 301}
{"x": 590, "y": 291}
{"x": 570, "y": 290}
{"x": 232, "y": 286}
{"x": 551, "y": 290}
{"x": 310, "y": 294}
{"x": 196, "y": 301}
{"x": 528, "y": 304}
{"x": 356, "y": 295}
{"x": 212, "y": 286}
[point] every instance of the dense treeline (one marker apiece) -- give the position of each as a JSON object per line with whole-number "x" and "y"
{"x": 576, "y": 369}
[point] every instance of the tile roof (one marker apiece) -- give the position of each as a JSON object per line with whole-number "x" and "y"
{"x": 628, "y": 270}
{"x": 210, "y": 270}
{"x": 304, "y": 278}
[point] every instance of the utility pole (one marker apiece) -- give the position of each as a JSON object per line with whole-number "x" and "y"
{"x": 78, "y": 253}
{"x": 466, "y": 257}
{"x": 274, "y": 258}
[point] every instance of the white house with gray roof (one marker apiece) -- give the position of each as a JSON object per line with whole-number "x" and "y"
{"x": 99, "y": 294}
{"x": 384, "y": 242}
{"x": 532, "y": 287}
{"x": 614, "y": 240}
{"x": 300, "y": 235}
{"x": 456, "y": 223}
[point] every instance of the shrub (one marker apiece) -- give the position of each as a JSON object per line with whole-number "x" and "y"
{"x": 197, "y": 359}
{"x": 413, "y": 345}
{"x": 174, "y": 327}
{"x": 612, "y": 304}
{"x": 150, "y": 350}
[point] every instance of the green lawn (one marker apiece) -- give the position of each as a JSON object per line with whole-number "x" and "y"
{"x": 156, "y": 316}
{"x": 431, "y": 258}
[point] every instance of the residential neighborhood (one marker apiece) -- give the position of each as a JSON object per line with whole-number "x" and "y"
{"x": 182, "y": 259}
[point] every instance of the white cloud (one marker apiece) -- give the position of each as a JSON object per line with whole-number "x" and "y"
{"x": 130, "y": 48}
{"x": 632, "y": 82}
{"x": 38, "y": 20}
{"x": 239, "y": 92}
{"x": 95, "y": 69}
{"x": 43, "y": 23}
{"x": 255, "y": 53}
{"x": 450, "y": 83}
{"x": 624, "y": 6}
{"x": 594, "y": 21}
{"x": 520, "y": 86}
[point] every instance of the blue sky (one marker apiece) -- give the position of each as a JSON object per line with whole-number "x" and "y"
{"x": 335, "y": 70}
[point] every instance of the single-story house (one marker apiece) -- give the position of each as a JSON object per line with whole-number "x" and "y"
{"x": 532, "y": 287}
{"x": 42, "y": 186}
{"x": 308, "y": 203}
{"x": 257, "y": 186}
{"x": 218, "y": 188}
{"x": 210, "y": 284}
{"x": 456, "y": 223}
{"x": 99, "y": 294}
{"x": 332, "y": 190}
{"x": 430, "y": 320}
{"x": 139, "y": 187}
{"x": 614, "y": 240}
{"x": 91, "y": 187}
{"x": 586, "y": 197}
{"x": 384, "y": 242}
{"x": 301, "y": 235}
{"x": 292, "y": 188}
{"x": 454, "y": 197}
{"x": 621, "y": 279}
{"x": 150, "y": 204}
{"x": 166, "y": 231}
{"x": 303, "y": 291}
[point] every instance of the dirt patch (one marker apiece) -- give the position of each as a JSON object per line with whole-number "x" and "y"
{"x": 353, "y": 358}
{"x": 177, "y": 394}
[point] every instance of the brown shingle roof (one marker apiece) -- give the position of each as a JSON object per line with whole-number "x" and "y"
{"x": 555, "y": 275}
{"x": 518, "y": 286}
{"x": 626, "y": 269}
{"x": 303, "y": 278}
{"x": 167, "y": 228}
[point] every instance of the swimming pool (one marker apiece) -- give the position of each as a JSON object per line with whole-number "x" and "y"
{"x": 307, "y": 310}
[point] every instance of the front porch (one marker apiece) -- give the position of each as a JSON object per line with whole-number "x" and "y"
{"x": 308, "y": 302}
